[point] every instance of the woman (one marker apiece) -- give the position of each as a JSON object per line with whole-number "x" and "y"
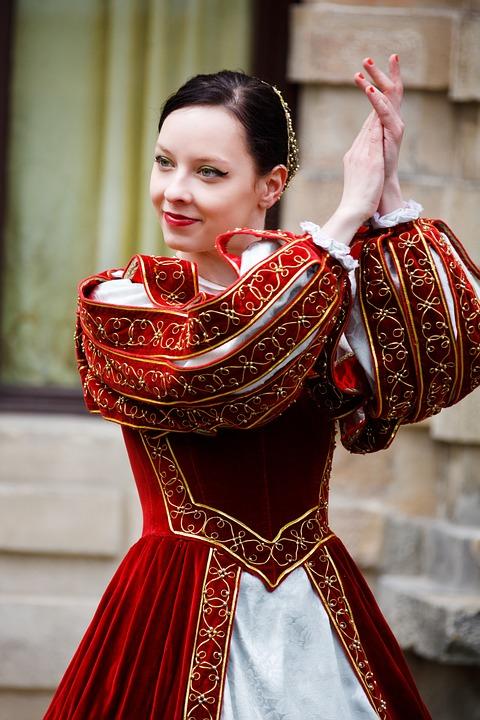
{"x": 228, "y": 366}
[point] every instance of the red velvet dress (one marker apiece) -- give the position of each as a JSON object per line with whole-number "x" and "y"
{"x": 228, "y": 411}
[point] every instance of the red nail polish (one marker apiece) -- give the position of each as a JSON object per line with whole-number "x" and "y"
{"x": 369, "y": 61}
{"x": 371, "y": 89}
{"x": 397, "y": 58}
{"x": 361, "y": 76}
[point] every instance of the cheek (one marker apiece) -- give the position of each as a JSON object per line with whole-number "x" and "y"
{"x": 156, "y": 188}
{"x": 225, "y": 203}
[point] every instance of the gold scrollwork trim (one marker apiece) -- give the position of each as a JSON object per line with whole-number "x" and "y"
{"x": 326, "y": 579}
{"x": 203, "y": 698}
{"x": 290, "y": 547}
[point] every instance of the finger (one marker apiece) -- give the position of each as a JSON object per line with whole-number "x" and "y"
{"x": 385, "y": 111}
{"x": 364, "y": 130}
{"x": 377, "y": 75}
{"x": 361, "y": 81}
{"x": 381, "y": 104}
{"x": 394, "y": 68}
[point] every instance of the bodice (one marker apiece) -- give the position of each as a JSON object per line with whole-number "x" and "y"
{"x": 260, "y": 494}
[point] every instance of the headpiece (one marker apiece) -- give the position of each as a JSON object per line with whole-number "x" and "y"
{"x": 292, "y": 160}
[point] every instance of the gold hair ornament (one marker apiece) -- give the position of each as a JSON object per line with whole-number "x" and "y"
{"x": 292, "y": 158}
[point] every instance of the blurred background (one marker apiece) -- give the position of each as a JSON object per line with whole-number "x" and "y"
{"x": 81, "y": 87}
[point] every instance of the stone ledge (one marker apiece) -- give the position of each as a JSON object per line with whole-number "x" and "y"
{"x": 62, "y": 448}
{"x": 38, "y": 636}
{"x": 440, "y": 550}
{"x": 23, "y": 705}
{"x": 432, "y": 622}
{"x": 361, "y": 527}
{"x": 328, "y": 43}
{"x": 32, "y": 574}
{"x": 52, "y": 519}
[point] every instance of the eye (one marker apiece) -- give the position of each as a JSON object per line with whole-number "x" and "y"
{"x": 162, "y": 161}
{"x": 210, "y": 172}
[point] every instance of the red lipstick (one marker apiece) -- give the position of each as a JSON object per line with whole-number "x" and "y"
{"x": 178, "y": 220}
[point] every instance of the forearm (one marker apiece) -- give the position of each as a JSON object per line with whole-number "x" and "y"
{"x": 342, "y": 225}
{"x": 391, "y": 197}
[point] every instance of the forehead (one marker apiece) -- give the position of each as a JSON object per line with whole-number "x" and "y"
{"x": 209, "y": 129}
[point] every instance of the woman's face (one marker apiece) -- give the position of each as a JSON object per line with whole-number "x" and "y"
{"x": 204, "y": 180}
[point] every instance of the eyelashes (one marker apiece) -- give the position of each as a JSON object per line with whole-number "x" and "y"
{"x": 205, "y": 171}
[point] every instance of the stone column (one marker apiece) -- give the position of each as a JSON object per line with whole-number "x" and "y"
{"x": 411, "y": 514}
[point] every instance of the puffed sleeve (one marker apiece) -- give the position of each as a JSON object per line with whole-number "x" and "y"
{"x": 416, "y": 315}
{"x": 185, "y": 361}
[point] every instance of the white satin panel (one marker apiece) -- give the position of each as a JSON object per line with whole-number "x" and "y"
{"x": 285, "y": 661}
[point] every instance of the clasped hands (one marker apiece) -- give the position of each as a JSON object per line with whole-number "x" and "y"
{"x": 371, "y": 164}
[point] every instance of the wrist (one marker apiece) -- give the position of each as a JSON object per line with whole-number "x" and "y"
{"x": 392, "y": 198}
{"x": 343, "y": 224}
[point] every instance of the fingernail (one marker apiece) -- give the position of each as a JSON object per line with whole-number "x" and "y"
{"x": 361, "y": 76}
{"x": 369, "y": 61}
{"x": 371, "y": 89}
{"x": 397, "y": 58}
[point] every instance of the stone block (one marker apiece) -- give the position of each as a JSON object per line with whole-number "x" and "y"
{"x": 54, "y": 519}
{"x": 450, "y": 554}
{"x": 459, "y": 423}
{"x": 429, "y": 191}
{"x": 465, "y": 61}
{"x": 442, "y": 551}
{"x": 413, "y": 486}
{"x": 461, "y": 203}
{"x": 38, "y": 636}
{"x": 361, "y": 476}
{"x": 459, "y": 483}
{"x": 29, "y": 574}
{"x": 468, "y": 140}
{"x": 360, "y": 524}
{"x": 26, "y": 705}
{"x": 69, "y": 449}
{"x": 329, "y": 42}
{"x": 431, "y": 134}
{"x": 133, "y": 519}
{"x": 402, "y": 545}
{"x": 331, "y": 117}
{"x": 310, "y": 198}
{"x": 432, "y": 622}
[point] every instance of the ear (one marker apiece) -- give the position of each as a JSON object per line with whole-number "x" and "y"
{"x": 272, "y": 185}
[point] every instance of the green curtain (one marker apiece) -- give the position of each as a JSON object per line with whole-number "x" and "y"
{"x": 89, "y": 78}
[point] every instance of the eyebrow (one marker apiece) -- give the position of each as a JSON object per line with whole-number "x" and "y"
{"x": 211, "y": 158}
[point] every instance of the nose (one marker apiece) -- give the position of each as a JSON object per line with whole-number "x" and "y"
{"x": 177, "y": 188}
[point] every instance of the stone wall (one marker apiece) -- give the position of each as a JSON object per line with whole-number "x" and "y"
{"x": 68, "y": 513}
{"x": 411, "y": 514}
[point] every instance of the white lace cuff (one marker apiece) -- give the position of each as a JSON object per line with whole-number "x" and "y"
{"x": 338, "y": 250}
{"x": 410, "y": 211}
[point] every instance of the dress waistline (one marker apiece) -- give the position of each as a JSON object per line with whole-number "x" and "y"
{"x": 270, "y": 559}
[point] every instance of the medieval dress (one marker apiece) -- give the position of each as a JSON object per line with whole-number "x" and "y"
{"x": 238, "y": 602}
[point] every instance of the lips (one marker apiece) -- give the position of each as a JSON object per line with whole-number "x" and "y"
{"x": 178, "y": 220}
{"x": 180, "y": 217}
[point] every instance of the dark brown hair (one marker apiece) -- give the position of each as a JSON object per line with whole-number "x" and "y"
{"x": 253, "y": 102}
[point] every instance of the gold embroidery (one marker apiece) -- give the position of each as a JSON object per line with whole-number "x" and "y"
{"x": 207, "y": 326}
{"x": 203, "y": 698}
{"x": 250, "y": 363}
{"x": 326, "y": 579}
{"x": 270, "y": 559}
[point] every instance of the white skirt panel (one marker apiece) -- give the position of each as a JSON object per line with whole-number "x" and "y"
{"x": 285, "y": 660}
